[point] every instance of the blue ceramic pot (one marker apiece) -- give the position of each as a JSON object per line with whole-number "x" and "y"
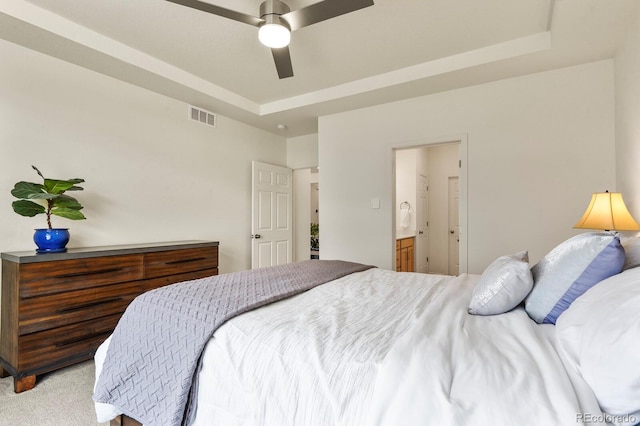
{"x": 51, "y": 240}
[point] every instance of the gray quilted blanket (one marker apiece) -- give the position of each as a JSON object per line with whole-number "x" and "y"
{"x": 155, "y": 350}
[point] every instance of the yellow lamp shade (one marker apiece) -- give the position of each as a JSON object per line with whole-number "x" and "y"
{"x": 607, "y": 211}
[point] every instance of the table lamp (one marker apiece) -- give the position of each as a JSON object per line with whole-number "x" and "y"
{"x": 608, "y": 212}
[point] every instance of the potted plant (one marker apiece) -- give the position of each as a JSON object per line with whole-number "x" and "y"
{"x": 49, "y": 198}
{"x": 315, "y": 236}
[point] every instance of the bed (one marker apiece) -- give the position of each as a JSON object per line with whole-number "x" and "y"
{"x": 376, "y": 347}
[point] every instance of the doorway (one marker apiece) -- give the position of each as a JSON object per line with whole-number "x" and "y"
{"x": 314, "y": 213}
{"x": 306, "y": 209}
{"x": 428, "y": 179}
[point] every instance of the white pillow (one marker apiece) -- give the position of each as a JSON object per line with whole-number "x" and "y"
{"x": 569, "y": 270}
{"x": 599, "y": 335}
{"x": 503, "y": 285}
{"x": 631, "y": 247}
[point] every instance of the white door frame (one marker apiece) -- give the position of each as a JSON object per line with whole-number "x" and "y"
{"x": 462, "y": 139}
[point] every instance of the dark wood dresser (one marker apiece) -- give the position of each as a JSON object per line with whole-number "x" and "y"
{"x": 57, "y": 308}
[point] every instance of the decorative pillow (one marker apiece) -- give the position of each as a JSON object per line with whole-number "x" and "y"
{"x": 503, "y": 285}
{"x": 569, "y": 270}
{"x": 631, "y": 247}
{"x": 599, "y": 335}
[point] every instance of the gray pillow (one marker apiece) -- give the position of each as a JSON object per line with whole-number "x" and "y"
{"x": 503, "y": 285}
{"x": 631, "y": 247}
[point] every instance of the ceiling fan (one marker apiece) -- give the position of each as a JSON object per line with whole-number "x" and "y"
{"x": 277, "y": 20}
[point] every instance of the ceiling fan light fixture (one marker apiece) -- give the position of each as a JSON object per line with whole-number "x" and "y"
{"x": 277, "y": 20}
{"x": 274, "y": 35}
{"x": 275, "y": 32}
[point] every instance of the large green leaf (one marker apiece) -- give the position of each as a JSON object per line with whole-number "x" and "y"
{"x": 55, "y": 186}
{"x": 27, "y": 208}
{"x": 26, "y": 189}
{"x": 43, "y": 196}
{"x": 67, "y": 202}
{"x": 68, "y": 213}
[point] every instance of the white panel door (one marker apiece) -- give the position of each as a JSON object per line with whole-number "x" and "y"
{"x": 272, "y": 211}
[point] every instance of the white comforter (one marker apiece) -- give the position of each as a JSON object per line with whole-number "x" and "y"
{"x": 385, "y": 348}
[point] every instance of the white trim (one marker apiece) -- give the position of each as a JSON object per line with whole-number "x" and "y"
{"x": 496, "y": 52}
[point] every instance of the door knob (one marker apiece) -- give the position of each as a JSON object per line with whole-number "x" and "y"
{"x": 256, "y": 236}
{"x": 452, "y": 231}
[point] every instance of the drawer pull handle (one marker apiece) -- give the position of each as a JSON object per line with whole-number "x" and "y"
{"x": 176, "y": 262}
{"x": 88, "y": 305}
{"x": 81, "y": 339}
{"x": 82, "y": 274}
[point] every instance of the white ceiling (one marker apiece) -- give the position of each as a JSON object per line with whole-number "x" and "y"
{"x": 393, "y": 50}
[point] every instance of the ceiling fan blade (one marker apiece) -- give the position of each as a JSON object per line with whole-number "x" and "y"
{"x": 220, "y": 11}
{"x": 282, "y": 58}
{"x": 322, "y": 11}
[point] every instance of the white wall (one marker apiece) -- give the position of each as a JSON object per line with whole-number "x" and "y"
{"x": 151, "y": 174}
{"x": 538, "y": 146}
{"x": 627, "y": 79}
{"x": 302, "y": 151}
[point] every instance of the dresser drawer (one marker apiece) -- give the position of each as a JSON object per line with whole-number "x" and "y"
{"x": 65, "y": 275}
{"x": 73, "y": 342}
{"x": 163, "y": 263}
{"x": 173, "y": 279}
{"x": 43, "y": 313}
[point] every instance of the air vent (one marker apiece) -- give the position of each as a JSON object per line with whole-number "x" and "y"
{"x": 202, "y": 116}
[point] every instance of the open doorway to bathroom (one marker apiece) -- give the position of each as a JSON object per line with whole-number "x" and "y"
{"x": 314, "y": 213}
{"x": 427, "y": 203}
{"x": 306, "y": 214}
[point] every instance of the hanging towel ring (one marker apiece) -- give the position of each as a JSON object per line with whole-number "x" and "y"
{"x": 405, "y": 206}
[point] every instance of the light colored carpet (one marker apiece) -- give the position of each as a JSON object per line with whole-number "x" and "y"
{"x": 61, "y": 398}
